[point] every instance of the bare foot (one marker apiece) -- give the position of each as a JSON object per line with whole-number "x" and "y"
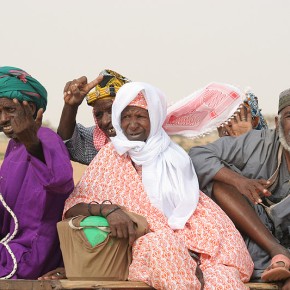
{"x": 278, "y": 270}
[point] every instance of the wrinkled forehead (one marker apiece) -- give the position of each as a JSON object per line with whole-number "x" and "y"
{"x": 134, "y": 109}
{"x": 6, "y": 101}
{"x": 285, "y": 111}
{"x": 103, "y": 104}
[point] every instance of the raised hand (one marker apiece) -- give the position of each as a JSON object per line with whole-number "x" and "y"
{"x": 25, "y": 128}
{"x": 240, "y": 123}
{"x": 76, "y": 90}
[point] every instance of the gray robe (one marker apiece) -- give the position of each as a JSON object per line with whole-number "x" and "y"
{"x": 253, "y": 155}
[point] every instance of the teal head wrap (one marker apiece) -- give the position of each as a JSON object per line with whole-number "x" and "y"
{"x": 17, "y": 84}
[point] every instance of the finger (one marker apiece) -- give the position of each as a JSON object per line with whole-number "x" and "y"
{"x": 16, "y": 102}
{"x": 243, "y": 111}
{"x": 132, "y": 233}
{"x": 266, "y": 192}
{"x": 75, "y": 90}
{"x": 82, "y": 80}
{"x": 113, "y": 231}
{"x": 249, "y": 114}
{"x": 95, "y": 82}
{"x": 58, "y": 276}
{"x": 39, "y": 116}
{"x": 72, "y": 85}
{"x": 255, "y": 197}
{"x": 66, "y": 87}
{"x": 264, "y": 182}
{"x": 229, "y": 130}
{"x": 122, "y": 232}
{"x": 234, "y": 118}
{"x": 19, "y": 110}
{"x": 27, "y": 108}
{"x": 222, "y": 131}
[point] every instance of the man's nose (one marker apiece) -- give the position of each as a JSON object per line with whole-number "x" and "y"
{"x": 3, "y": 117}
{"x": 133, "y": 124}
{"x": 106, "y": 119}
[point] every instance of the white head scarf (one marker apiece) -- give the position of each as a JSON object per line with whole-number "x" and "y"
{"x": 168, "y": 175}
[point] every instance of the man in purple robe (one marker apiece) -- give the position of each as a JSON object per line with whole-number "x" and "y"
{"x": 35, "y": 180}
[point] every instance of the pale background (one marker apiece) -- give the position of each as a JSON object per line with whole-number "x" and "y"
{"x": 179, "y": 46}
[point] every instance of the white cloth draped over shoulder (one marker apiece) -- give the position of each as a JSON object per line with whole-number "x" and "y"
{"x": 168, "y": 175}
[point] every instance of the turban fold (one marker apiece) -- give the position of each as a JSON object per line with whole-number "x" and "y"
{"x": 258, "y": 120}
{"x": 108, "y": 87}
{"x": 18, "y": 84}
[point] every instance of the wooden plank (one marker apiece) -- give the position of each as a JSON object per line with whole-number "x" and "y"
{"x": 27, "y": 285}
{"x": 264, "y": 286}
{"x": 69, "y": 284}
{"x": 101, "y": 285}
{"x": 66, "y": 284}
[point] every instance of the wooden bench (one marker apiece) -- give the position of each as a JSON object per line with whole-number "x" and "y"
{"x": 101, "y": 285}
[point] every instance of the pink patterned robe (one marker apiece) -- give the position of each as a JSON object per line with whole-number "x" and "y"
{"x": 161, "y": 258}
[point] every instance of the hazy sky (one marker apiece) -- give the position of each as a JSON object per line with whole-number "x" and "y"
{"x": 178, "y": 46}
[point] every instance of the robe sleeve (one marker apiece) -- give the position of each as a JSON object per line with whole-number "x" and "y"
{"x": 232, "y": 152}
{"x": 56, "y": 173}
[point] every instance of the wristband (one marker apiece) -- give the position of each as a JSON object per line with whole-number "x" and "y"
{"x": 89, "y": 206}
{"x": 112, "y": 210}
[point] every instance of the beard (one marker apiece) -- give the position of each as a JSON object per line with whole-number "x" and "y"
{"x": 282, "y": 137}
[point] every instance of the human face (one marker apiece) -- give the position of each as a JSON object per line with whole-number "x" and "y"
{"x": 8, "y": 110}
{"x": 135, "y": 123}
{"x": 284, "y": 127}
{"x": 103, "y": 113}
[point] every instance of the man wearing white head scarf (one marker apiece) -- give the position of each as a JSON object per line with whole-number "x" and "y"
{"x": 167, "y": 172}
{"x": 144, "y": 172}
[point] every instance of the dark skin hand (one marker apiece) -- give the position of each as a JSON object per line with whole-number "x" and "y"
{"x": 74, "y": 94}
{"x": 240, "y": 123}
{"x": 25, "y": 127}
{"x": 251, "y": 188}
{"x": 121, "y": 225}
{"x": 56, "y": 274}
{"x": 75, "y": 91}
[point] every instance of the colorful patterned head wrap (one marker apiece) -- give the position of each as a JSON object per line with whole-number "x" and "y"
{"x": 18, "y": 84}
{"x": 284, "y": 100}
{"x": 139, "y": 101}
{"x": 108, "y": 87}
{"x": 251, "y": 102}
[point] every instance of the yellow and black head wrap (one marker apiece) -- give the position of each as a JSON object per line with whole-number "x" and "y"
{"x": 107, "y": 88}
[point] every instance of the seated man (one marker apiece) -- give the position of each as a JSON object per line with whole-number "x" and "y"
{"x": 36, "y": 178}
{"x": 238, "y": 173}
{"x": 83, "y": 143}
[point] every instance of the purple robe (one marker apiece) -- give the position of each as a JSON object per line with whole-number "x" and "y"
{"x": 36, "y": 193}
